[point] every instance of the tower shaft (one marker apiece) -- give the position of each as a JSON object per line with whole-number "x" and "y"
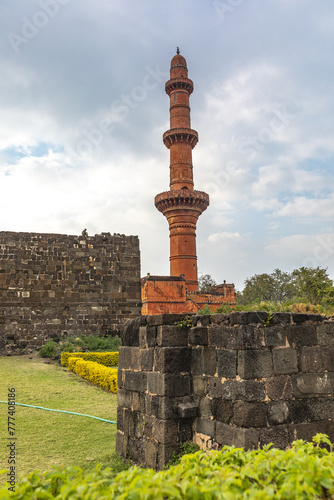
{"x": 181, "y": 205}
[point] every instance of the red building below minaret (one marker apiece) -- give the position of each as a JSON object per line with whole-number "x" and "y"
{"x": 182, "y": 206}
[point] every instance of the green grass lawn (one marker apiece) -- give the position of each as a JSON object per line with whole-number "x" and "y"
{"x": 47, "y": 438}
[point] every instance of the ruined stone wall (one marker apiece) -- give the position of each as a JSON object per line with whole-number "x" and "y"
{"x": 243, "y": 379}
{"x": 52, "y": 284}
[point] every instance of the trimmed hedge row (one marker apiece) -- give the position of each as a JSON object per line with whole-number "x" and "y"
{"x": 304, "y": 472}
{"x": 103, "y": 358}
{"x": 94, "y": 372}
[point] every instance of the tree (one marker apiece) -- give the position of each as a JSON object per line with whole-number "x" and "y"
{"x": 205, "y": 283}
{"x": 277, "y": 287}
{"x": 313, "y": 284}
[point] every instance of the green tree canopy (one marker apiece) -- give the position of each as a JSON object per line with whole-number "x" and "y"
{"x": 305, "y": 283}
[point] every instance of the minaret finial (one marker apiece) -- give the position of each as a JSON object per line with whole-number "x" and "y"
{"x": 177, "y": 50}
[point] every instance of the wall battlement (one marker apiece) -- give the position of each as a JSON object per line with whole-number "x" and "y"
{"x": 242, "y": 379}
{"x": 56, "y": 283}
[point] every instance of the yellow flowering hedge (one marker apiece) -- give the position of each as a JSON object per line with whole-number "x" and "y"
{"x": 103, "y": 358}
{"x": 94, "y": 372}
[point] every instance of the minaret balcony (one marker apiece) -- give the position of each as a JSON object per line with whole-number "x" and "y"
{"x": 179, "y": 83}
{"x": 182, "y": 198}
{"x": 177, "y": 135}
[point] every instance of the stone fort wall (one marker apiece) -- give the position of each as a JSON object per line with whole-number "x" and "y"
{"x": 242, "y": 379}
{"x": 52, "y": 284}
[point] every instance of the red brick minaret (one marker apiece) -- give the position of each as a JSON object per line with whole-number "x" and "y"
{"x": 181, "y": 205}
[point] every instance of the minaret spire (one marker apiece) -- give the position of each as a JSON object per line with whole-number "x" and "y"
{"x": 181, "y": 205}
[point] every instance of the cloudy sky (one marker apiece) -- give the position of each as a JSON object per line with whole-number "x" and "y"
{"x": 83, "y": 110}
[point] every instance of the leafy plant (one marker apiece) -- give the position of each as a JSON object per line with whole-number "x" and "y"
{"x": 49, "y": 350}
{"x": 205, "y": 310}
{"x": 185, "y": 449}
{"x": 303, "y": 472}
{"x": 185, "y": 323}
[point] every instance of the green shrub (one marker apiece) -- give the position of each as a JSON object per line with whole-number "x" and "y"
{"x": 49, "y": 349}
{"x": 303, "y": 472}
{"x": 95, "y": 342}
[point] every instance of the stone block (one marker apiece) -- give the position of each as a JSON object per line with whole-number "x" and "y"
{"x": 152, "y": 405}
{"x": 124, "y": 398}
{"x": 222, "y": 410}
{"x": 215, "y": 389}
{"x": 143, "y": 337}
{"x": 226, "y": 363}
{"x": 325, "y": 333}
{"x": 136, "y": 450}
{"x": 248, "y": 317}
{"x": 302, "y": 335}
{"x": 217, "y": 319}
{"x": 165, "y": 319}
{"x": 300, "y": 318}
{"x": 281, "y": 319}
{"x": 308, "y": 384}
{"x": 151, "y": 453}
{"x": 124, "y": 357}
{"x": 165, "y": 452}
{"x": 172, "y": 359}
{"x": 209, "y": 361}
{"x": 168, "y": 384}
{"x": 307, "y": 431}
{"x": 254, "y": 364}
{"x": 135, "y": 381}
{"x": 249, "y": 414}
{"x": 236, "y": 337}
{"x": 166, "y": 431}
{"x": 146, "y": 359}
{"x": 279, "y": 387}
{"x": 120, "y": 378}
{"x": 279, "y": 436}
{"x": 130, "y": 331}
{"x": 312, "y": 409}
{"x": 200, "y": 385}
{"x": 279, "y": 413}
{"x": 186, "y": 430}
{"x": 151, "y": 336}
{"x": 202, "y": 320}
{"x": 274, "y": 336}
{"x": 172, "y": 336}
{"x": 317, "y": 359}
{"x": 245, "y": 390}
{"x": 197, "y": 362}
{"x": 138, "y": 402}
{"x": 121, "y": 444}
{"x": 205, "y": 426}
{"x": 234, "y": 436}
{"x": 198, "y": 335}
{"x": 168, "y": 408}
{"x": 188, "y": 410}
{"x": 285, "y": 361}
{"x": 205, "y": 407}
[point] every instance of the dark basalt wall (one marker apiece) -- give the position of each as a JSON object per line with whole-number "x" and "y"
{"x": 243, "y": 379}
{"x": 55, "y": 284}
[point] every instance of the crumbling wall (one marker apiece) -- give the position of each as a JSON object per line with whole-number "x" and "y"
{"x": 52, "y": 284}
{"x": 242, "y": 379}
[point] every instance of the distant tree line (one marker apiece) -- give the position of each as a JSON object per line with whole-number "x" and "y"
{"x": 305, "y": 284}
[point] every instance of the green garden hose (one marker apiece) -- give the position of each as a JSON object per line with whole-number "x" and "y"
{"x": 61, "y": 411}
